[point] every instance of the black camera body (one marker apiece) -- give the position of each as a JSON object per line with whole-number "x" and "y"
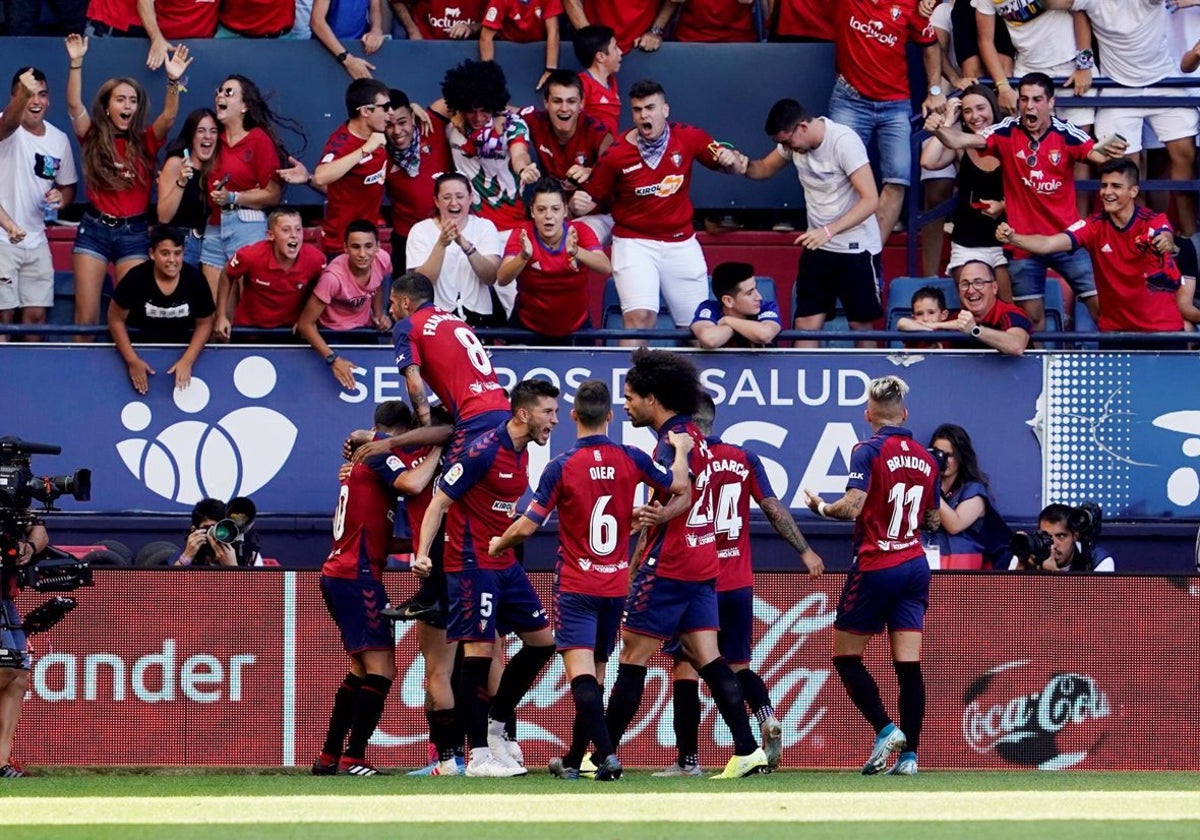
{"x": 1085, "y": 521}
{"x": 18, "y": 485}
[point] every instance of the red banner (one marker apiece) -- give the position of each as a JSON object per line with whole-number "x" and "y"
{"x": 239, "y": 668}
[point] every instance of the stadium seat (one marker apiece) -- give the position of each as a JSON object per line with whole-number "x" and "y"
{"x": 1084, "y": 323}
{"x": 614, "y": 321}
{"x": 1056, "y": 315}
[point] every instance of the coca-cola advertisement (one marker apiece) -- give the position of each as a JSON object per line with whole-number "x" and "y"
{"x": 212, "y": 667}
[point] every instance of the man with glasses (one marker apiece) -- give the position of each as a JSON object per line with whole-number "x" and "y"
{"x": 354, "y": 163}
{"x": 989, "y": 320}
{"x": 1037, "y": 152}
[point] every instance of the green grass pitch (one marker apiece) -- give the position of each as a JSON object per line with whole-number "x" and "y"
{"x": 200, "y": 805}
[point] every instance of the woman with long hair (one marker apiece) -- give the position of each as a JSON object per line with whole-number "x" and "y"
{"x": 119, "y": 152}
{"x": 980, "y": 205}
{"x": 244, "y": 180}
{"x": 181, "y": 200}
{"x": 967, "y": 535}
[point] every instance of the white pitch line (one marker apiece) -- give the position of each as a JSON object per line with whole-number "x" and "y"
{"x": 745, "y": 806}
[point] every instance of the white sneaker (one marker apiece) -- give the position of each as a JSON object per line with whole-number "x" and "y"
{"x": 484, "y": 764}
{"x": 515, "y": 752}
{"x": 772, "y": 741}
{"x": 498, "y": 743}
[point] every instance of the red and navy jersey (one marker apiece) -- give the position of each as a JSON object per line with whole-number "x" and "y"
{"x": 357, "y": 194}
{"x": 872, "y": 41}
{"x": 552, "y": 288}
{"x": 592, "y": 485}
{"x": 1038, "y": 174}
{"x": 412, "y": 195}
{"x": 555, "y": 158}
{"x": 272, "y": 296}
{"x": 652, "y": 203}
{"x": 602, "y": 102}
{"x": 1004, "y": 316}
{"x": 900, "y": 479}
{"x": 362, "y": 523}
{"x": 685, "y": 547}
{"x": 251, "y": 164}
{"x": 715, "y": 21}
{"x": 411, "y": 457}
{"x": 737, "y": 477}
{"x": 485, "y": 484}
{"x": 1137, "y": 284}
{"x": 454, "y": 364}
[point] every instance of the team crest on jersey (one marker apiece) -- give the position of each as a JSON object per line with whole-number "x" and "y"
{"x": 904, "y": 445}
{"x": 597, "y": 456}
{"x": 895, "y": 13}
{"x": 1055, "y": 157}
{"x": 453, "y": 474}
{"x": 394, "y": 464}
{"x": 584, "y": 563}
{"x": 676, "y": 158}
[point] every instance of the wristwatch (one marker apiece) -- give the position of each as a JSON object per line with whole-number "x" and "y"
{"x": 936, "y": 90}
{"x": 657, "y": 31}
{"x": 976, "y": 331}
{"x": 341, "y": 57}
{"x": 329, "y": 360}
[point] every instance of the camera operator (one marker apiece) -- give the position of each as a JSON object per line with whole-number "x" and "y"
{"x": 14, "y": 668}
{"x": 1064, "y": 542}
{"x": 201, "y": 547}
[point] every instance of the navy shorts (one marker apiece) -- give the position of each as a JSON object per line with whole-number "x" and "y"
{"x": 115, "y": 244}
{"x": 466, "y": 431}
{"x": 895, "y": 598}
{"x": 587, "y": 622}
{"x": 355, "y": 607}
{"x": 735, "y": 639}
{"x": 665, "y": 608}
{"x": 13, "y": 639}
{"x": 485, "y": 603}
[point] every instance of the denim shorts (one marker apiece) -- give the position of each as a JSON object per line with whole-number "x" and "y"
{"x": 885, "y": 122}
{"x": 1029, "y": 274}
{"x": 116, "y": 244}
{"x": 191, "y": 248}
{"x": 222, "y": 241}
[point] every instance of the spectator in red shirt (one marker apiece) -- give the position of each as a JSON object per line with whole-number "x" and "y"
{"x": 261, "y": 18}
{"x": 265, "y": 284}
{"x": 416, "y": 159}
{"x": 549, "y": 258}
{"x": 646, "y": 176}
{"x": 522, "y": 22}
{"x": 353, "y": 163}
{"x": 439, "y": 20}
{"x": 167, "y": 21}
{"x": 113, "y": 18}
{"x": 637, "y": 23}
{"x": 119, "y": 152}
{"x": 568, "y": 143}
{"x": 244, "y": 180}
{"x": 597, "y": 51}
{"x": 1133, "y": 252}
{"x": 871, "y": 94}
{"x": 800, "y": 21}
{"x": 715, "y": 21}
{"x": 989, "y": 320}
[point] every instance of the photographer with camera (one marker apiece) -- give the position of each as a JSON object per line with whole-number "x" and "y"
{"x": 221, "y": 535}
{"x": 14, "y": 656}
{"x": 1064, "y": 542}
{"x": 971, "y": 535}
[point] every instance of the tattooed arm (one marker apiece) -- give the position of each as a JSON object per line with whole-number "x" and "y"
{"x": 783, "y": 523}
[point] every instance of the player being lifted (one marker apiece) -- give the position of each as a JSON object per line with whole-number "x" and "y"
{"x": 893, "y": 490}
{"x": 592, "y": 485}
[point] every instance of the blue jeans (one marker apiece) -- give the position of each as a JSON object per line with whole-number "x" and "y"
{"x": 1029, "y": 274}
{"x": 222, "y": 241}
{"x": 885, "y": 122}
{"x": 191, "y": 248}
{"x": 116, "y": 244}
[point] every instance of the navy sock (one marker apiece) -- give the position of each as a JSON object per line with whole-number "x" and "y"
{"x": 862, "y": 690}
{"x": 516, "y": 681}
{"x": 342, "y": 715}
{"x": 726, "y": 692}
{"x": 686, "y": 708}
{"x": 472, "y": 698}
{"x": 580, "y": 733}
{"x": 444, "y": 732}
{"x": 624, "y": 701}
{"x": 756, "y": 693}
{"x": 368, "y": 709}
{"x": 589, "y": 716}
{"x": 912, "y": 701}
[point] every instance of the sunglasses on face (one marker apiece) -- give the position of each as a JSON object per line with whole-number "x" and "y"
{"x": 226, "y": 91}
{"x": 370, "y": 109}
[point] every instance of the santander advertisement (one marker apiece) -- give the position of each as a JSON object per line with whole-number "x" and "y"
{"x": 213, "y": 668}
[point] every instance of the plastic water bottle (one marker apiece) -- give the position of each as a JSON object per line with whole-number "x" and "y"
{"x": 50, "y": 212}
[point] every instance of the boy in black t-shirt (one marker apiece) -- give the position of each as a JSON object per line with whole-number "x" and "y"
{"x": 168, "y": 301}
